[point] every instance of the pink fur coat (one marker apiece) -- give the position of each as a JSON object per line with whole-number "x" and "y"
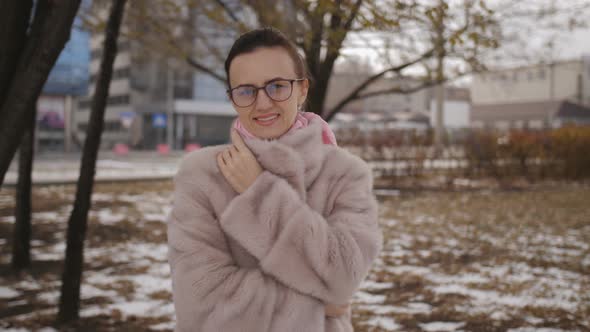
{"x": 304, "y": 234}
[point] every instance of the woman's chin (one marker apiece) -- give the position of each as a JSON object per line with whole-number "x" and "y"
{"x": 268, "y": 132}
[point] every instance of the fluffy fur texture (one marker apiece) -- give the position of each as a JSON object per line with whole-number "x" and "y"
{"x": 304, "y": 234}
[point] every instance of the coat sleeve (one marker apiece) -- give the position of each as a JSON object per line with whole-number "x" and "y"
{"x": 325, "y": 257}
{"x": 210, "y": 291}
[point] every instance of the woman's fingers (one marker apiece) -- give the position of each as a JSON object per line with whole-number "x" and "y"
{"x": 237, "y": 140}
{"x": 227, "y": 158}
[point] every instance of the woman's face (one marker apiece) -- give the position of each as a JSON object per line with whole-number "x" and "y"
{"x": 259, "y": 67}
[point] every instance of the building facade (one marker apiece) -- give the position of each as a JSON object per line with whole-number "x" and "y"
{"x": 531, "y": 96}
{"x": 67, "y": 81}
{"x": 153, "y": 100}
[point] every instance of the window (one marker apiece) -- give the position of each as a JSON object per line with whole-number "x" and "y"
{"x": 112, "y": 125}
{"x": 112, "y": 101}
{"x": 118, "y": 100}
{"x": 97, "y": 53}
{"x": 84, "y": 104}
{"x": 542, "y": 74}
{"x": 117, "y": 74}
{"x": 109, "y": 125}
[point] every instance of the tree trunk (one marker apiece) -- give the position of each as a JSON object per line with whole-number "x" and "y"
{"x": 440, "y": 88}
{"x": 69, "y": 303}
{"x": 14, "y": 16}
{"x": 21, "y": 245}
{"x": 50, "y": 31}
{"x": 317, "y": 96}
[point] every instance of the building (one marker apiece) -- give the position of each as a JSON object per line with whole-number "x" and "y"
{"x": 67, "y": 81}
{"x": 380, "y": 111}
{"x": 153, "y": 100}
{"x": 414, "y": 110}
{"x": 532, "y": 115}
{"x": 456, "y": 108}
{"x": 532, "y": 96}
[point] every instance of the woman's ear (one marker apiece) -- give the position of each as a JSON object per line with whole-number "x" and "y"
{"x": 303, "y": 92}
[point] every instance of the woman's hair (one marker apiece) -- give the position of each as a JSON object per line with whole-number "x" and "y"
{"x": 266, "y": 37}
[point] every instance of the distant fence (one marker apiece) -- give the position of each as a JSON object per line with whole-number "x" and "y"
{"x": 534, "y": 154}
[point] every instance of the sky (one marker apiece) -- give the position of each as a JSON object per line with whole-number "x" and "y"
{"x": 567, "y": 44}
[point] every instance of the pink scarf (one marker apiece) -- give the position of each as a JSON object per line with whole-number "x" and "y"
{"x": 302, "y": 120}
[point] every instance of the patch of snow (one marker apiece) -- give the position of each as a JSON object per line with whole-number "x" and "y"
{"x": 386, "y": 192}
{"x": 8, "y": 219}
{"x": 487, "y": 297}
{"x": 464, "y": 278}
{"x": 7, "y": 293}
{"x": 441, "y": 326}
{"x": 107, "y": 217}
{"x": 94, "y": 311}
{"x": 154, "y": 216}
{"x": 164, "y": 326}
{"x": 47, "y": 329}
{"x": 49, "y": 297}
{"x": 90, "y": 291}
{"x": 370, "y": 284}
{"x": 534, "y": 320}
{"x": 145, "y": 308}
{"x": 156, "y": 251}
{"x": 535, "y": 329}
{"x": 365, "y": 297}
{"x": 54, "y": 252}
{"x": 410, "y": 269}
{"x": 28, "y": 284}
{"x": 386, "y": 323}
{"x": 410, "y": 309}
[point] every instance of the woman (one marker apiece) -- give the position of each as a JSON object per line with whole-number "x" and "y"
{"x": 275, "y": 231}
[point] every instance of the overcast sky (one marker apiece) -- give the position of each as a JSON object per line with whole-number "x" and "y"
{"x": 567, "y": 44}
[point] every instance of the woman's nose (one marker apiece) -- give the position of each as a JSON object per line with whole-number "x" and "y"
{"x": 262, "y": 100}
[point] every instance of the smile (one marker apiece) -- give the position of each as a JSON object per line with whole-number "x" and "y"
{"x": 266, "y": 120}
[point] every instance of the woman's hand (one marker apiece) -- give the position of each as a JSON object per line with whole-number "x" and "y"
{"x": 238, "y": 165}
{"x": 336, "y": 310}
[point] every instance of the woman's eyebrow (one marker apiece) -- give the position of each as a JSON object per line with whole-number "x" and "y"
{"x": 274, "y": 79}
{"x": 278, "y": 78}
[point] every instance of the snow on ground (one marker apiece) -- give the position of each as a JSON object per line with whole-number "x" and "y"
{"x": 480, "y": 261}
{"x": 450, "y": 262}
{"x": 109, "y": 167}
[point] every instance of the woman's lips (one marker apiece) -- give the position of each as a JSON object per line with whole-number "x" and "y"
{"x": 261, "y": 120}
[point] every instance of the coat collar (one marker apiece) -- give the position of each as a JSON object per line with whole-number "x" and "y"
{"x": 297, "y": 156}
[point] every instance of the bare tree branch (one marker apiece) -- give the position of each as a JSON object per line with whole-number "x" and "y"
{"x": 356, "y": 92}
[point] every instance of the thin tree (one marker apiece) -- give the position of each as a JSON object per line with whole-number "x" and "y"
{"x": 21, "y": 240}
{"x": 69, "y": 303}
{"x": 25, "y": 66}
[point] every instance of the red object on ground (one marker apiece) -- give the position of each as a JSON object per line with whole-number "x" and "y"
{"x": 121, "y": 149}
{"x": 163, "y": 149}
{"x": 192, "y": 147}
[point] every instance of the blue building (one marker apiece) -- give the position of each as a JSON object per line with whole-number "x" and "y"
{"x": 70, "y": 74}
{"x": 67, "y": 81}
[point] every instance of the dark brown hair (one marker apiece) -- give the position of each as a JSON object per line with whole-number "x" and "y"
{"x": 265, "y": 37}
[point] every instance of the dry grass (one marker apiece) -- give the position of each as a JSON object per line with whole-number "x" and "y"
{"x": 491, "y": 260}
{"x": 486, "y": 260}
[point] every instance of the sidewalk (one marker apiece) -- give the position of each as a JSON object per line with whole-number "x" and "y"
{"x": 60, "y": 168}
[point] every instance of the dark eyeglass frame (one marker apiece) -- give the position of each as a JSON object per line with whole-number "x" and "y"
{"x": 264, "y": 87}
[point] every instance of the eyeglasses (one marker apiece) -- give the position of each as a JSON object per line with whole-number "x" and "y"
{"x": 277, "y": 90}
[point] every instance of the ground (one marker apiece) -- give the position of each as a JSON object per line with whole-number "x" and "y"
{"x": 477, "y": 260}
